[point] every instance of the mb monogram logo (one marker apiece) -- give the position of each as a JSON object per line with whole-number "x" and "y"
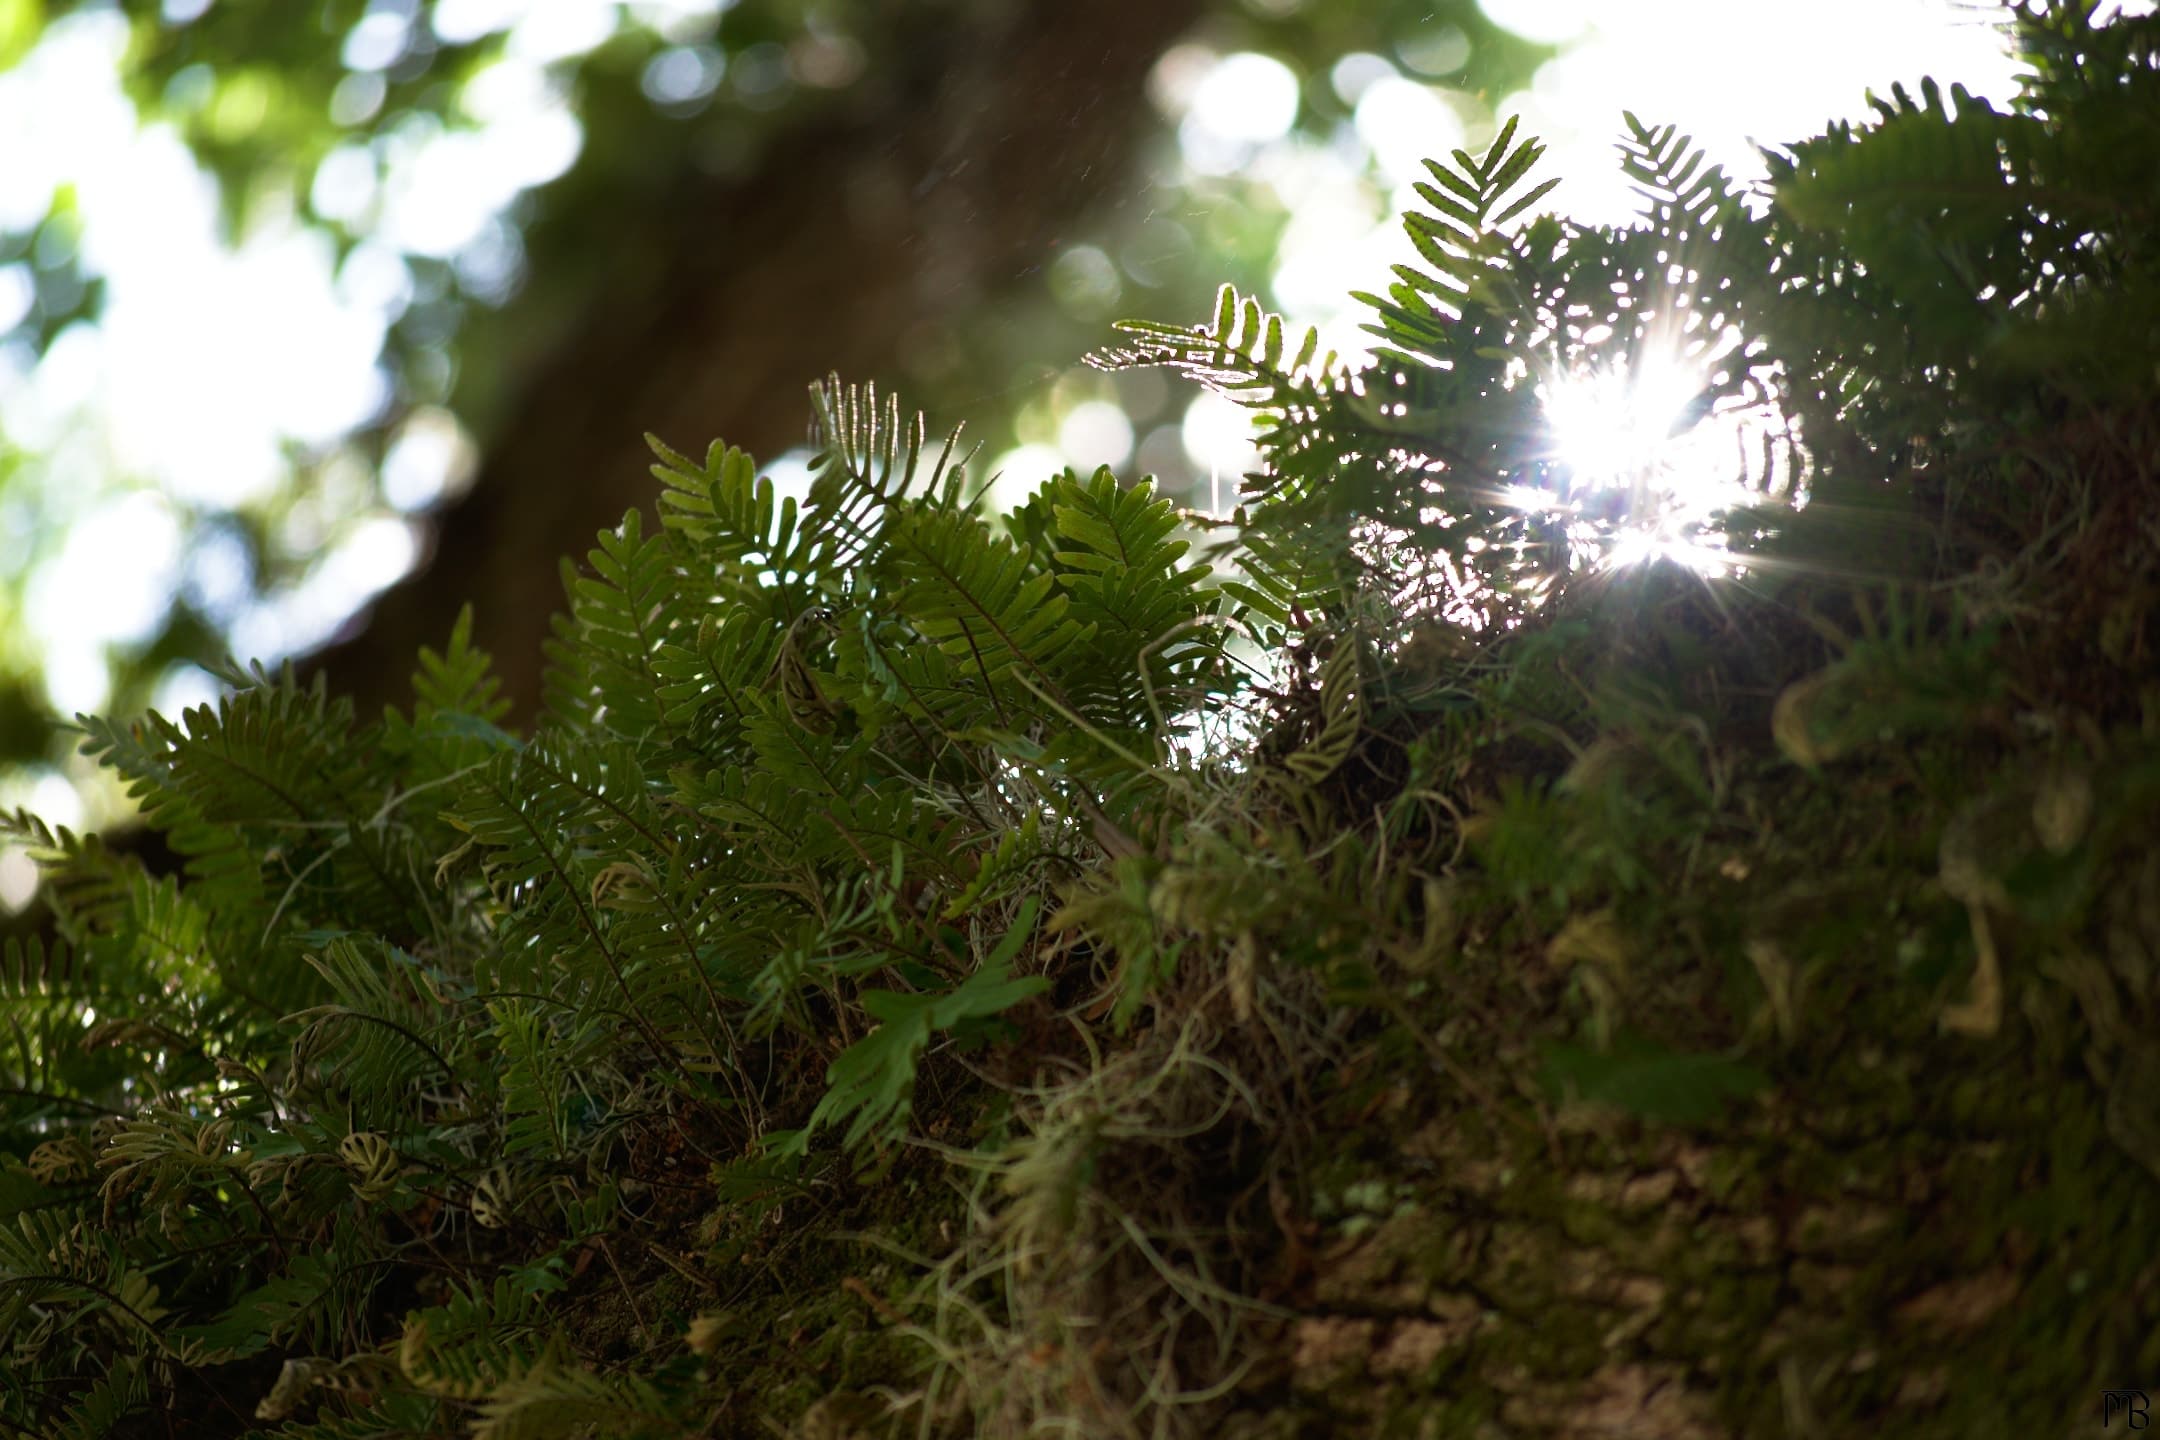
{"x": 2131, "y": 1406}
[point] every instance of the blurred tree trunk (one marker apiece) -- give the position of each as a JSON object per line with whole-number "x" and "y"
{"x": 958, "y": 172}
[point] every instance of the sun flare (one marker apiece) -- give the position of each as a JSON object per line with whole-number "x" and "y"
{"x": 1647, "y": 458}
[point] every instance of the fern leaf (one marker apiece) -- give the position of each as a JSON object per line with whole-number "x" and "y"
{"x": 867, "y": 464}
{"x": 620, "y": 616}
{"x": 871, "y": 1084}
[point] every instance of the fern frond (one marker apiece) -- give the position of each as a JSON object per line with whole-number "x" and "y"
{"x": 32, "y": 969}
{"x": 475, "y": 1341}
{"x": 998, "y": 871}
{"x": 979, "y": 598}
{"x": 1464, "y": 243}
{"x": 530, "y": 815}
{"x": 556, "y": 1398}
{"x": 539, "y": 1061}
{"x": 457, "y": 681}
{"x": 371, "y": 1042}
{"x": 86, "y": 885}
{"x": 602, "y": 656}
{"x": 270, "y": 1314}
{"x": 708, "y": 678}
{"x": 1241, "y": 353}
{"x": 109, "y": 1403}
{"x": 871, "y": 1084}
{"x": 866, "y": 465}
{"x": 63, "y": 1257}
{"x": 764, "y": 557}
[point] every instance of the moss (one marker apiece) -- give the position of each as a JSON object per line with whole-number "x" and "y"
{"x": 818, "y": 1314}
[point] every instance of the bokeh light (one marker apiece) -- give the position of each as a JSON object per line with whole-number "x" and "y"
{"x": 1095, "y": 433}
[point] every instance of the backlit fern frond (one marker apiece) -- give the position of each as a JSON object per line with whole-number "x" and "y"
{"x": 764, "y": 557}
{"x": 1418, "y": 449}
{"x": 1462, "y": 238}
{"x": 1241, "y": 353}
{"x": 867, "y": 463}
{"x": 1299, "y": 397}
{"x": 1153, "y": 634}
{"x": 1999, "y": 249}
{"x": 987, "y": 604}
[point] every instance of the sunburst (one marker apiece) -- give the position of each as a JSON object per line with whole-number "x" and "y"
{"x": 1649, "y": 455}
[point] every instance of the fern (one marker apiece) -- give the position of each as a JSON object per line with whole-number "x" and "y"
{"x": 552, "y": 1399}
{"x": 764, "y": 560}
{"x": 376, "y": 1040}
{"x": 539, "y": 1069}
{"x": 871, "y": 1084}
{"x": 620, "y": 616}
{"x": 284, "y": 1309}
{"x": 867, "y": 463}
{"x": 757, "y": 891}
{"x": 58, "y": 1258}
{"x": 983, "y": 602}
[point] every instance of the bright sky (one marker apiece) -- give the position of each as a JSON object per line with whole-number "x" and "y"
{"x": 210, "y": 365}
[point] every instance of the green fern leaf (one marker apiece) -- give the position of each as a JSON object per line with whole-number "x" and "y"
{"x": 871, "y": 1084}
